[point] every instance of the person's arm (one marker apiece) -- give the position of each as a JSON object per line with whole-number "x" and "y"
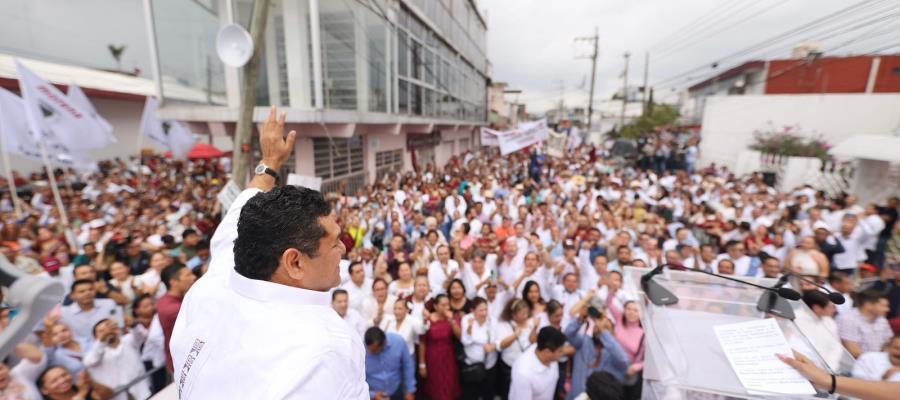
{"x": 824, "y": 268}
{"x": 867, "y": 390}
{"x": 95, "y": 355}
{"x": 276, "y": 148}
{"x": 511, "y": 335}
{"x": 572, "y": 332}
{"x": 409, "y": 371}
{"x": 852, "y": 347}
{"x": 422, "y": 371}
{"x": 618, "y": 356}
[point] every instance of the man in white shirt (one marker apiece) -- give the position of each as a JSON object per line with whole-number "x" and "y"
{"x": 262, "y": 312}
{"x": 114, "y": 360}
{"x": 535, "y": 373}
{"x": 881, "y": 365}
{"x": 442, "y": 271}
{"x": 568, "y": 295}
{"x": 820, "y": 328}
{"x": 339, "y": 303}
{"x": 359, "y": 287}
{"x": 87, "y": 310}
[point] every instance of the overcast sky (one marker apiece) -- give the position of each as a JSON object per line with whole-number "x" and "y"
{"x": 531, "y": 42}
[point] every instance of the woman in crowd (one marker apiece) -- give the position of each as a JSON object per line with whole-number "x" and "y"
{"x": 806, "y": 259}
{"x": 459, "y": 304}
{"x": 531, "y": 293}
{"x": 61, "y": 347}
{"x": 515, "y": 332}
{"x": 630, "y": 335}
{"x": 379, "y": 304}
{"x": 402, "y": 323}
{"x": 554, "y": 317}
{"x": 437, "y": 358}
{"x": 420, "y": 298}
{"x": 480, "y": 353}
{"x": 56, "y": 384}
{"x": 404, "y": 285}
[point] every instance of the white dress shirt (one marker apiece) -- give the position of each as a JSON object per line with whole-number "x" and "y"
{"x": 115, "y": 367}
{"x": 287, "y": 341}
{"x": 357, "y": 294}
{"x": 370, "y": 309}
{"x": 531, "y": 379}
{"x": 568, "y": 300}
{"x": 872, "y": 367}
{"x": 502, "y": 330}
{"x": 356, "y": 322}
{"x": 437, "y": 277}
{"x": 409, "y": 329}
{"x": 473, "y": 344}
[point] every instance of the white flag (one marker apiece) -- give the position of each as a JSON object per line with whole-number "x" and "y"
{"x": 17, "y": 137}
{"x": 174, "y": 135}
{"x": 52, "y": 115}
{"x": 77, "y": 97}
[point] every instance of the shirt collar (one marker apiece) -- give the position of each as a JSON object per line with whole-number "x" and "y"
{"x": 266, "y": 291}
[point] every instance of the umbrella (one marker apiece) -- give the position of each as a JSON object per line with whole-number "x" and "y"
{"x": 202, "y": 151}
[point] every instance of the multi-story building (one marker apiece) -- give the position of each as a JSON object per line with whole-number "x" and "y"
{"x": 401, "y": 83}
{"x": 389, "y": 84}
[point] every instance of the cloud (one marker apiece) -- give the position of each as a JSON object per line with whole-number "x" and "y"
{"x": 531, "y": 42}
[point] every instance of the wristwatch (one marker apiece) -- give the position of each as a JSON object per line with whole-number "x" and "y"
{"x": 264, "y": 169}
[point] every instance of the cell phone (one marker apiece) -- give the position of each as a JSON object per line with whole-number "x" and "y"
{"x": 117, "y": 316}
{"x": 594, "y": 313}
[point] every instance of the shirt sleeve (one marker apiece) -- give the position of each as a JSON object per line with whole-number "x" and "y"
{"x": 846, "y": 329}
{"x": 409, "y": 369}
{"x": 223, "y": 240}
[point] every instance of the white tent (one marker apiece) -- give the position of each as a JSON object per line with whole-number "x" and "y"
{"x": 870, "y": 147}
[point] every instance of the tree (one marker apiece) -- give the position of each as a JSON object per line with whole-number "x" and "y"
{"x": 116, "y": 52}
{"x": 655, "y": 116}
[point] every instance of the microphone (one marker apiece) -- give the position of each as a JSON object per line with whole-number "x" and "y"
{"x": 835, "y": 297}
{"x": 783, "y": 292}
{"x": 655, "y": 292}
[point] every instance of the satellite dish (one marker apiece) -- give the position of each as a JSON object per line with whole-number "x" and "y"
{"x": 234, "y": 45}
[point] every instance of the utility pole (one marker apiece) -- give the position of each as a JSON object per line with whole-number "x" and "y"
{"x": 593, "y": 57}
{"x": 646, "y": 74}
{"x": 249, "y": 81}
{"x": 624, "y": 92}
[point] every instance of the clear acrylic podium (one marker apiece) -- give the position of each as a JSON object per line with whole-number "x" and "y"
{"x": 683, "y": 358}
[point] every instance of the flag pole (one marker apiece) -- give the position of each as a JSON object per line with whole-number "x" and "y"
{"x": 17, "y": 203}
{"x": 59, "y": 203}
{"x": 140, "y": 144}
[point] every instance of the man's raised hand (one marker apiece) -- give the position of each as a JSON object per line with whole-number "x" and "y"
{"x": 276, "y": 148}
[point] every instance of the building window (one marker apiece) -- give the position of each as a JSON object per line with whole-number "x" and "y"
{"x": 386, "y": 162}
{"x": 337, "y": 157}
{"x": 402, "y": 97}
{"x": 339, "y": 59}
{"x": 402, "y": 54}
{"x": 463, "y": 145}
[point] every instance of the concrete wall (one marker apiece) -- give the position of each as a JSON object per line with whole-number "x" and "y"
{"x": 729, "y": 122}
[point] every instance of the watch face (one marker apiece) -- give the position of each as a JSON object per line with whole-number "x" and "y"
{"x": 260, "y": 169}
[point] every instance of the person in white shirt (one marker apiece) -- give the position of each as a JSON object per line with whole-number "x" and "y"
{"x": 262, "y": 311}
{"x": 476, "y": 275}
{"x": 353, "y": 318}
{"x": 821, "y": 329}
{"x": 378, "y": 305}
{"x": 359, "y": 287}
{"x": 513, "y": 334}
{"x": 442, "y": 271}
{"x": 114, "y": 360}
{"x": 568, "y": 295}
{"x": 881, "y": 365}
{"x": 401, "y": 322}
{"x": 534, "y": 374}
{"x": 479, "y": 347}
{"x": 738, "y": 255}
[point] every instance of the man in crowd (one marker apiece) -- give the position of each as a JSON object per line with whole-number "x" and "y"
{"x": 390, "y": 369}
{"x": 341, "y": 305}
{"x": 87, "y": 310}
{"x": 534, "y": 374}
{"x": 864, "y": 328}
{"x": 359, "y": 287}
{"x": 880, "y": 365}
{"x": 178, "y": 279}
{"x": 114, "y": 360}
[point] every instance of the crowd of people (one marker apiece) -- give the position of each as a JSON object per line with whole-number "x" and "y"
{"x": 488, "y": 276}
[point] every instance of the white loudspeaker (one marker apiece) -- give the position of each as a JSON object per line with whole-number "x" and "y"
{"x": 234, "y": 45}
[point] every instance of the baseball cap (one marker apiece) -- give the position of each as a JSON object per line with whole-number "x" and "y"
{"x": 51, "y": 264}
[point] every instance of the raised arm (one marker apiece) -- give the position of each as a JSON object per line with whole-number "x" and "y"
{"x": 276, "y": 149}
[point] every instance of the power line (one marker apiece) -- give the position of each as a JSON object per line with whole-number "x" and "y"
{"x": 777, "y": 38}
{"x": 684, "y": 30}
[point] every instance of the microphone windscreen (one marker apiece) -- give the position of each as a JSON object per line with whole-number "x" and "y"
{"x": 836, "y": 298}
{"x": 789, "y": 293}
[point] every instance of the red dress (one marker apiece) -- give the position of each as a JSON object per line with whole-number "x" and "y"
{"x": 440, "y": 362}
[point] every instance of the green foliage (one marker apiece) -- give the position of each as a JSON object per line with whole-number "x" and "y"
{"x": 655, "y": 116}
{"x": 789, "y": 143}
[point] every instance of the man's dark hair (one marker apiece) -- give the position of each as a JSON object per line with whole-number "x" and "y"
{"x": 601, "y": 385}
{"x": 188, "y": 232}
{"x": 353, "y": 264}
{"x": 337, "y": 292}
{"x": 815, "y": 298}
{"x": 137, "y": 302}
{"x": 77, "y": 267}
{"x": 550, "y": 338}
{"x": 837, "y": 277}
{"x": 868, "y": 296}
{"x": 81, "y": 282}
{"x": 168, "y": 239}
{"x": 374, "y": 335}
{"x": 169, "y": 273}
{"x": 272, "y": 222}
{"x": 203, "y": 245}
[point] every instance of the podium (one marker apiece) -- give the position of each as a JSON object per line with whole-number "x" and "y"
{"x": 683, "y": 358}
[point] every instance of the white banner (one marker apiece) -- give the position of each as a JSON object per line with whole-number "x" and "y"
{"x": 228, "y": 194}
{"x": 174, "y": 135}
{"x": 312, "y": 182}
{"x": 54, "y": 115}
{"x": 489, "y": 137}
{"x": 556, "y": 144}
{"x": 77, "y": 96}
{"x": 17, "y": 137}
{"x": 527, "y": 134}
